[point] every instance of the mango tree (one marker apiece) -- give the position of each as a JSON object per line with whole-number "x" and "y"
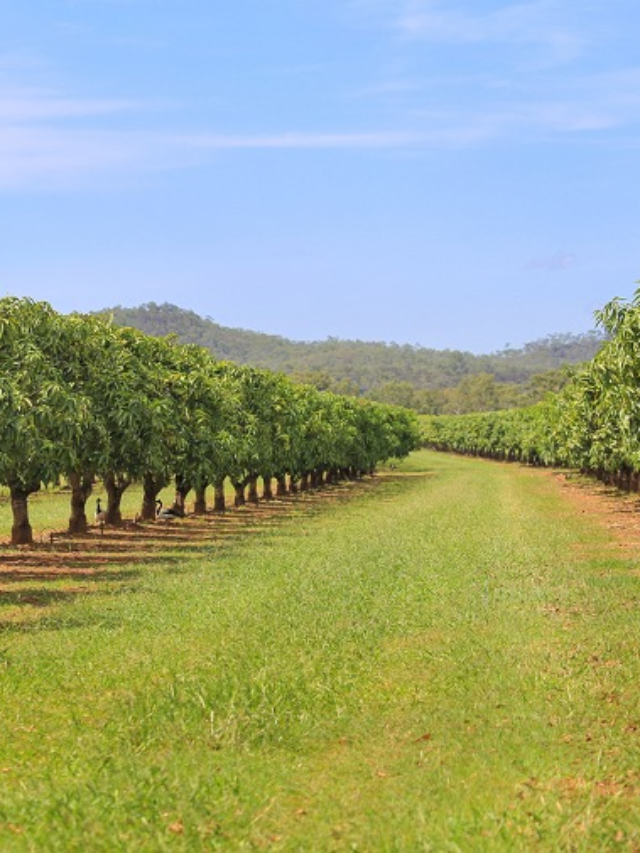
{"x": 273, "y": 402}
{"x": 42, "y": 417}
{"x": 141, "y": 419}
{"x": 88, "y": 366}
{"x": 247, "y": 430}
{"x": 208, "y": 398}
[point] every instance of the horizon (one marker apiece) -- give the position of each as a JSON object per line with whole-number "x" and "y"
{"x": 445, "y": 171}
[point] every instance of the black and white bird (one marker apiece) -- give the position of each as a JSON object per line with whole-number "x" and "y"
{"x": 169, "y": 512}
{"x": 101, "y": 514}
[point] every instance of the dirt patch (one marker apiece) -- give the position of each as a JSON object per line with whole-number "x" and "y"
{"x": 617, "y": 512}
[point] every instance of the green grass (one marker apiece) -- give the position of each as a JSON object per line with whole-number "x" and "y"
{"x": 447, "y": 662}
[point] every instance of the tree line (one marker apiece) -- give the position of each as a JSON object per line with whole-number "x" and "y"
{"x": 592, "y": 424}
{"x": 82, "y": 398}
{"x": 478, "y": 392}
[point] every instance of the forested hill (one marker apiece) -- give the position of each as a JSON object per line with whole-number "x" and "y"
{"x": 365, "y": 365}
{"x": 428, "y": 380}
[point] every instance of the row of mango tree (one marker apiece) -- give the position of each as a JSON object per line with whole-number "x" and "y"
{"x": 81, "y": 399}
{"x": 593, "y": 424}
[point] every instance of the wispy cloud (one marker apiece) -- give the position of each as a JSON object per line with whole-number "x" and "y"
{"x": 48, "y": 139}
{"x": 532, "y": 33}
{"x": 552, "y": 263}
{"x": 36, "y": 105}
{"x": 44, "y": 157}
{"x": 38, "y": 157}
{"x": 51, "y": 139}
{"x": 533, "y": 22}
{"x": 502, "y": 74}
{"x": 381, "y": 139}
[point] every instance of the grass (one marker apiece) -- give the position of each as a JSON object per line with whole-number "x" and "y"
{"x": 448, "y": 662}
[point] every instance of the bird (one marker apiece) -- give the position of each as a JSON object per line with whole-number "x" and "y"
{"x": 169, "y": 512}
{"x": 101, "y": 514}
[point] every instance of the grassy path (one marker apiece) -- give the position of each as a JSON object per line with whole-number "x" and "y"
{"x": 449, "y": 662}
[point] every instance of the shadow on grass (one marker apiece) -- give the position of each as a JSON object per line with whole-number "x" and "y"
{"x": 63, "y": 575}
{"x": 36, "y": 597}
{"x": 46, "y": 620}
{"x": 93, "y": 559}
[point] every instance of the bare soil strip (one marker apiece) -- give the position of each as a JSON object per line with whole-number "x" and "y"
{"x": 618, "y": 512}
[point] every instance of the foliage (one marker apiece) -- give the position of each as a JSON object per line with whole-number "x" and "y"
{"x": 42, "y": 413}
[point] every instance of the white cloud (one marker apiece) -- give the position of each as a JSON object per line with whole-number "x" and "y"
{"x": 552, "y": 263}
{"x": 514, "y": 90}
{"x": 520, "y": 21}
{"x": 382, "y": 139}
{"x": 49, "y": 139}
{"x": 537, "y": 24}
{"x": 34, "y": 105}
{"x": 52, "y": 141}
{"x": 39, "y": 157}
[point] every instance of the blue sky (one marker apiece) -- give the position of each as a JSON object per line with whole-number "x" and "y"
{"x": 455, "y": 173}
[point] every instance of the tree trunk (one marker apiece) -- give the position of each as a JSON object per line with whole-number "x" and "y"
{"x": 200, "y": 504}
{"x": 281, "y": 489}
{"x": 219, "y": 504}
{"x": 81, "y": 488}
{"x": 267, "y": 489}
{"x": 252, "y": 492}
{"x": 239, "y": 499}
{"x": 304, "y": 482}
{"x": 293, "y": 485}
{"x": 21, "y": 531}
{"x": 115, "y": 487}
{"x": 151, "y": 488}
{"x": 183, "y": 487}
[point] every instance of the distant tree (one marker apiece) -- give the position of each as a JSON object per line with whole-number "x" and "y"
{"x": 429, "y": 402}
{"x": 542, "y": 384}
{"x": 473, "y": 394}
{"x": 324, "y": 381}
{"x": 398, "y": 393}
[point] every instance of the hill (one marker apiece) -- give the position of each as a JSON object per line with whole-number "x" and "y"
{"x": 375, "y": 369}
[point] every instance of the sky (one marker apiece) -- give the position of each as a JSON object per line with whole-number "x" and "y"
{"x": 458, "y": 174}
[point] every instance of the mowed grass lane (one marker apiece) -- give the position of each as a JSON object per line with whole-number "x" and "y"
{"x": 448, "y": 662}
